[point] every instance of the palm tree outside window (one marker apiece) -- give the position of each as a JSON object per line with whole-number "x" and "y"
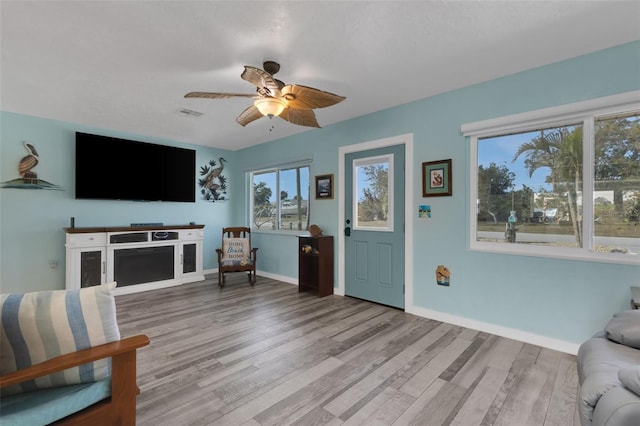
{"x": 556, "y": 178}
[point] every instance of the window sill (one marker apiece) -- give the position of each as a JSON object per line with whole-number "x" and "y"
{"x": 280, "y": 232}
{"x": 556, "y": 253}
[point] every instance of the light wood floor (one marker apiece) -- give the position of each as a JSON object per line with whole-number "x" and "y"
{"x": 268, "y": 355}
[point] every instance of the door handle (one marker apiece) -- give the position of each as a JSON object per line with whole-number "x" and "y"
{"x": 347, "y": 229}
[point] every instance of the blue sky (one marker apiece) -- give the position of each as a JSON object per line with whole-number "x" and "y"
{"x": 500, "y": 150}
{"x": 287, "y": 183}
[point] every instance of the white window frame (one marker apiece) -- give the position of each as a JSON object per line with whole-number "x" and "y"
{"x": 582, "y": 113}
{"x": 276, "y": 170}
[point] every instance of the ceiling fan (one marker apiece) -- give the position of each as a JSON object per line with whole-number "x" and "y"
{"x": 291, "y": 102}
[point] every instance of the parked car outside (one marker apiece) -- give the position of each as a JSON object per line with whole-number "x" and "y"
{"x": 547, "y": 216}
{"x": 291, "y": 208}
{"x": 537, "y": 216}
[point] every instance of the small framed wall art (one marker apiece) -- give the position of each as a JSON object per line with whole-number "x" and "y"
{"x": 324, "y": 187}
{"x": 436, "y": 178}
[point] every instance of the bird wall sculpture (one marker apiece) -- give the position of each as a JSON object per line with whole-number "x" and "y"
{"x": 28, "y": 178}
{"x": 29, "y": 161}
{"x": 213, "y": 181}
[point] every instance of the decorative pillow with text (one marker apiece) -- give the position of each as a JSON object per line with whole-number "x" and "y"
{"x": 235, "y": 249}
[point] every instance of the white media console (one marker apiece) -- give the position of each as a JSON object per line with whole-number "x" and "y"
{"x": 137, "y": 258}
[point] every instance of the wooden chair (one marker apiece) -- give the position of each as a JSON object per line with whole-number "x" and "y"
{"x": 236, "y": 254}
{"x": 99, "y": 386}
{"x": 120, "y": 407}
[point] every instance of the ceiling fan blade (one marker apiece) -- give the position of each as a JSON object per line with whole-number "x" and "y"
{"x": 301, "y": 117}
{"x": 266, "y": 84}
{"x": 248, "y": 115}
{"x": 303, "y": 97}
{"x": 214, "y": 95}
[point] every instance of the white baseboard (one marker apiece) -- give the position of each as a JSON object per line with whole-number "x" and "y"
{"x": 498, "y": 330}
{"x": 282, "y": 278}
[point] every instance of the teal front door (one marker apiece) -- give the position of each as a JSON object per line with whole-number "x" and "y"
{"x": 374, "y": 225}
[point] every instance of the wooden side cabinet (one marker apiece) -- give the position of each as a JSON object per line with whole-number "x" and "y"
{"x": 315, "y": 265}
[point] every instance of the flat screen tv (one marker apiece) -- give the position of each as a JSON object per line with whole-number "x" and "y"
{"x": 119, "y": 169}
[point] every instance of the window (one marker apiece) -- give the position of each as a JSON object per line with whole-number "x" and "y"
{"x": 373, "y": 187}
{"x": 280, "y": 199}
{"x": 562, "y": 182}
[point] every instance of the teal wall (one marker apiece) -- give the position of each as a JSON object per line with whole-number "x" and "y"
{"x": 32, "y": 221}
{"x": 558, "y": 299}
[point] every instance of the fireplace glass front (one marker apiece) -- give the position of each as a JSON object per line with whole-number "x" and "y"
{"x": 143, "y": 265}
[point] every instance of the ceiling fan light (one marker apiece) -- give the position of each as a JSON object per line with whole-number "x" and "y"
{"x": 271, "y": 107}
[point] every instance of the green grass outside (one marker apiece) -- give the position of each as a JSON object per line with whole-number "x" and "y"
{"x": 611, "y": 229}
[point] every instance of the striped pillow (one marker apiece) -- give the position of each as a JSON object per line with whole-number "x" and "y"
{"x": 38, "y": 326}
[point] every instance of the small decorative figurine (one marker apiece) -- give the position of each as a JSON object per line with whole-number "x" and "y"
{"x": 442, "y": 275}
{"x": 510, "y": 231}
{"x": 315, "y": 230}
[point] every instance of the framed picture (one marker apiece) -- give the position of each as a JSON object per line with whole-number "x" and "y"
{"x": 436, "y": 178}
{"x": 324, "y": 187}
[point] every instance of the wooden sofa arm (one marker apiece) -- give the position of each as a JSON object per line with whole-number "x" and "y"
{"x": 74, "y": 359}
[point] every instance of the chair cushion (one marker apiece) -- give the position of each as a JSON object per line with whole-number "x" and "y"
{"x": 624, "y": 328}
{"x": 235, "y": 249}
{"x": 237, "y": 262}
{"x": 38, "y": 326}
{"x": 45, "y": 406}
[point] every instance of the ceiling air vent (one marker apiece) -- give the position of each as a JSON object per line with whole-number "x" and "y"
{"x": 189, "y": 112}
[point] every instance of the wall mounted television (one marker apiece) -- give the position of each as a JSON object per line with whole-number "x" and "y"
{"x": 110, "y": 168}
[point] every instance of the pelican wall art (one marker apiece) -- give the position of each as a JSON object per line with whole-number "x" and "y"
{"x": 28, "y": 178}
{"x": 213, "y": 183}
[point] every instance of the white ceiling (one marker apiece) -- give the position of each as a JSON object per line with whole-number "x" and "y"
{"x": 126, "y": 65}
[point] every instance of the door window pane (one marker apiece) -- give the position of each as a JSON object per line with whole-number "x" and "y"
{"x": 372, "y": 191}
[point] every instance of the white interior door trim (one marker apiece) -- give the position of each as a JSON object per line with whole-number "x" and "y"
{"x": 407, "y": 141}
